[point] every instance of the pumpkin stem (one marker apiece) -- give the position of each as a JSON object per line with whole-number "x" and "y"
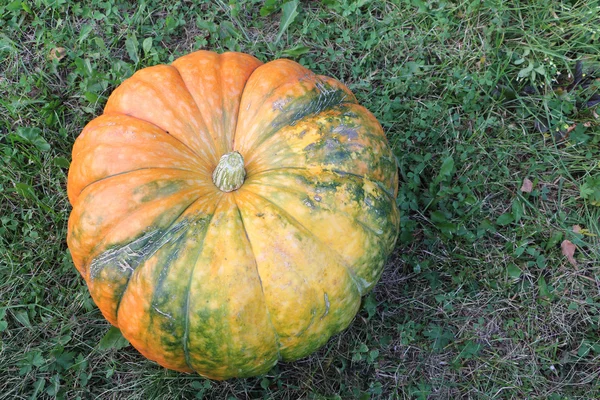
{"x": 230, "y": 173}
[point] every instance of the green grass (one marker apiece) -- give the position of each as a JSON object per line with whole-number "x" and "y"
{"x": 477, "y": 302}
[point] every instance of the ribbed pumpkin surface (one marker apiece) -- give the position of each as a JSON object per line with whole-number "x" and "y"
{"x": 227, "y": 284}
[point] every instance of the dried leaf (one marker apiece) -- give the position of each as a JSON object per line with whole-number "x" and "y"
{"x": 527, "y": 186}
{"x": 58, "y": 53}
{"x": 568, "y": 250}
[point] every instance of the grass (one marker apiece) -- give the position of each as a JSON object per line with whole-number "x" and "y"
{"x": 478, "y": 300}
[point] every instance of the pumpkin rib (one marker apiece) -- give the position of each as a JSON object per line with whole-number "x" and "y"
{"x": 155, "y": 90}
{"x": 118, "y": 114}
{"x": 374, "y": 234}
{"x": 319, "y": 80}
{"x": 367, "y": 228}
{"x": 302, "y": 228}
{"x": 220, "y": 81}
{"x": 105, "y": 145}
{"x": 130, "y": 171}
{"x": 167, "y": 228}
{"x": 257, "y": 108}
{"x": 186, "y": 326}
{"x": 117, "y": 224}
{"x": 259, "y": 279}
{"x": 164, "y": 130}
{"x": 300, "y": 116}
{"x": 202, "y": 116}
{"x": 332, "y": 170}
{"x": 217, "y": 82}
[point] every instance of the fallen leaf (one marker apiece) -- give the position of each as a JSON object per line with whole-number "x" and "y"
{"x": 568, "y": 250}
{"x": 58, "y": 53}
{"x": 527, "y": 186}
{"x": 576, "y": 228}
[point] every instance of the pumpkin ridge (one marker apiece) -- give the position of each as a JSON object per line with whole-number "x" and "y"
{"x": 331, "y": 170}
{"x": 306, "y": 231}
{"x": 367, "y": 227}
{"x": 167, "y": 229}
{"x": 186, "y": 327}
{"x": 130, "y": 171}
{"x": 273, "y": 89}
{"x": 157, "y": 93}
{"x": 327, "y": 98}
{"x": 118, "y": 114}
{"x": 214, "y": 144}
{"x": 146, "y": 250}
{"x": 220, "y": 81}
{"x": 152, "y": 245}
{"x": 259, "y": 279}
{"x": 101, "y": 241}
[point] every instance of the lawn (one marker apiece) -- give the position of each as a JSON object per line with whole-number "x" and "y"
{"x": 491, "y": 107}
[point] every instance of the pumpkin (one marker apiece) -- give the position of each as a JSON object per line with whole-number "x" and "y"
{"x": 228, "y": 214}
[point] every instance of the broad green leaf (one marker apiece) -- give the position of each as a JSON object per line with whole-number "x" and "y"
{"x": 554, "y": 240}
{"x": 584, "y": 349}
{"x": 541, "y": 261}
{"x": 525, "y": 72}
{"x": 62, "y": 162}
{"x": 517, "y": 209}
{"x": 147, "y": 45}
{"x": 269, "y": 7}
{"x": 296, "y": 51}
{"x": 23, "y": 318}
{"x": 470, "y": 350}
{"x": 85, "y": 32}
{"x": 38, "y": 386}
{"x": 590, "y": 190}
{"x": 505, "y": 219}
{"x": 438, "y": 217}
{"x": 91, "y": 97}
{"x": 447, "y": 167}
{"x": 25, "y": 190}
{"x": 131, "y": 44}
{"x": 113, "y": 339}
{"x": 440, "y": 336}
{"x": 288, "y": 15}
{"x": 513, "y": 271}
{"x": 370, "y": 305}
{"x": 227, "y": 30}
{"x": 15, "y": 6}
{"x": 32, "y": 136}
{"x": 100, "y": 43}
{"x": 578, "y": 135}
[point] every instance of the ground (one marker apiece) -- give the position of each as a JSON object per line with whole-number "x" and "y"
{"x": 493, "y": 290}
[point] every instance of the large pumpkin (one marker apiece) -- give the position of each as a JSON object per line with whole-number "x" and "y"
{"x": 228, "y": 214}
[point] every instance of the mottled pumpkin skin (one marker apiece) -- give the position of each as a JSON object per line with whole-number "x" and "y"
{"x": 227, "y": 284}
